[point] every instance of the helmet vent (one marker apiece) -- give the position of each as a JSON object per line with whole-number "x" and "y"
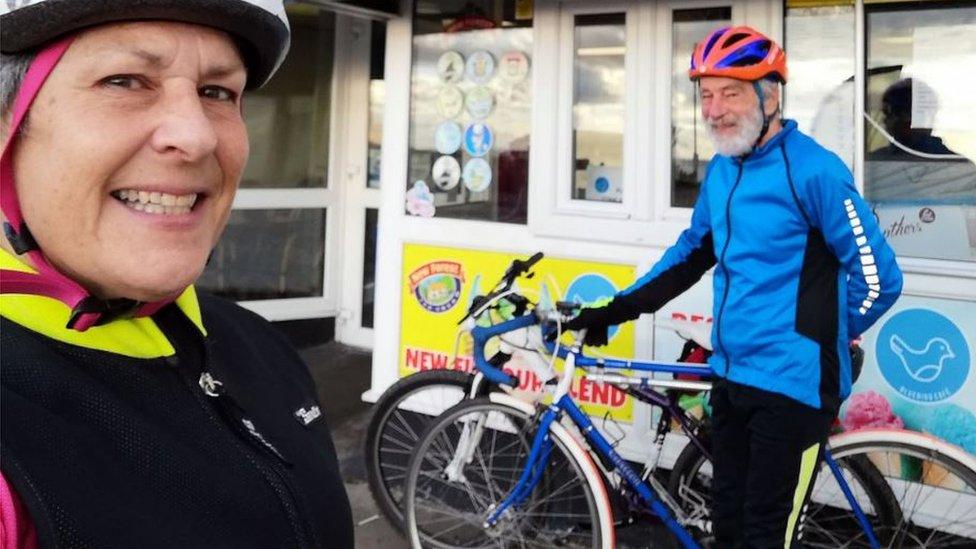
{"x": 734, "y": 38}
{"x": 714, "y": 38}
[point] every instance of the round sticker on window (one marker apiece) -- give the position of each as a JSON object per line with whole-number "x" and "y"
{"x": 514, "y": 66}
{"x": 480, "y": 102}
{"x": 447, "y": 137}
{"x": 477, "y": 175}
{"x": 478, "y": 139}
{"x": 450, "y": 66}
{"x": 450, "y": 100}
{"x": 480, "y": 67}
{"x": 446, "y": 173}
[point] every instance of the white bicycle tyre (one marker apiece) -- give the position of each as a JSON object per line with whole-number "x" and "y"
{"x": 952, "y": 502}
{"x": 576, "y": 452}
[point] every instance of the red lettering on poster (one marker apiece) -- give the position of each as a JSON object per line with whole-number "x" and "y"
{"x": 584, "y": 390}
{"x": 675, "y": 315}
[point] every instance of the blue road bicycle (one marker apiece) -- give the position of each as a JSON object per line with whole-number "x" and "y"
{"x": 506, "y": 470}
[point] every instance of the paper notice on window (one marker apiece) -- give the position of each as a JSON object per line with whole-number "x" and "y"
{"x": 820, "y": 96}
{"x": 925, "y": 105}
{"x": 939, "y": 54}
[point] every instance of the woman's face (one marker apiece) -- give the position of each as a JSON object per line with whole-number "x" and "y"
{"x": 133, "y": 151}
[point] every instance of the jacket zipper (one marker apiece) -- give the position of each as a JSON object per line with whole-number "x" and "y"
{"x": 209, "y": 389}
{"x": 728, "y": 278}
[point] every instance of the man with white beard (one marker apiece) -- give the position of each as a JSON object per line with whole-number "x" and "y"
{"x": 801, "y": 269}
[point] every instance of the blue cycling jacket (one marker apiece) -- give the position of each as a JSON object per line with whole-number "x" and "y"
{"x": 801, "y": 268}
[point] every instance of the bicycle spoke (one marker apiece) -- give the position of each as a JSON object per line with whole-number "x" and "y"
{"x": 557, "y": 512}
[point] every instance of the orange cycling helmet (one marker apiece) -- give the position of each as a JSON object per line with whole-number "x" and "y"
{"x": 738, "y": 52}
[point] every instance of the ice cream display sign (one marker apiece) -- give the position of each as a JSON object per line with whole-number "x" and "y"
{"x": 450, "y": 101}
{"x": 477, "y": 175}
{"x": 446, "y": 173}
{"x": 447, "y": 137}
{"x": 478, "y": 139}
{"x": 923, "y": 355}
{"x": 450, "y": 66}
{"x": 480, "y": 102}
{"x": 480, "y": 67}
{"x": 514, "y": 66}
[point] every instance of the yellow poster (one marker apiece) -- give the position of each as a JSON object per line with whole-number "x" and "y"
{"x": 439, "y": 283}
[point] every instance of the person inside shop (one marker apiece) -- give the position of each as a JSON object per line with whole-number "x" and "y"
{"x": 896, "y": 108}
{"x": 801, "y": 269}
{"x": 914, "y": 164}
{"x": 135, "y": 412}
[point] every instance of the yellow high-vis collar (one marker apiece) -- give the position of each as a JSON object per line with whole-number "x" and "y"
{"x": 132, "y": 337}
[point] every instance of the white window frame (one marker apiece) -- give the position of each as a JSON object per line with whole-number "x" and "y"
{"x": 645, "y": 217}
{"x": 915, "y": 265}
{"x": 664, "y": 170}
{"x": 326, "y": 198}
{"x": 565, "y": 172}
{"x": 295, "y": 308}
{"x": 552, "y": 211}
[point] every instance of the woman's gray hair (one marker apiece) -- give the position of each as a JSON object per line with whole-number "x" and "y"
{"x": 13, "y": 67}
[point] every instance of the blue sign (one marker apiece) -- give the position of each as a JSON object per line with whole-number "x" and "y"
{"x": 589, "y": 288}
{"x": 478, "y": 139}
{"x": 923, "y": 355}
{"x": 602, "y": 184}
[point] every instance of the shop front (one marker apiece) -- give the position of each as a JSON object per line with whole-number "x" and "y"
{"x": 300, "y": 242}
{"x": 571, "y": 128}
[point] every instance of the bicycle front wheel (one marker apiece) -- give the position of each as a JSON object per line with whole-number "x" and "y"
{"x": 400, "y": 416}
{"x": 933, "y": 484}
{"x": 471, "y": 459}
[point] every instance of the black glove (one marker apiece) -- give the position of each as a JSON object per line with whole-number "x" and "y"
{"x": 857, "y": 361}
{"x": 597, "y": 323}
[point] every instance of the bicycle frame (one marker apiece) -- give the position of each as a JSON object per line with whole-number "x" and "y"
{"x": 563, "y": 402}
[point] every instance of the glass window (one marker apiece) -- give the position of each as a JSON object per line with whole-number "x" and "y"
{"x": 268, "y": 254}
{"x": 470, "y": 111}
{"x": 691, "y": 148}
{"x": 920, "y": 139}
{"x": 599, "y": 48}
{"x": 377, "y": 103}
{"x": 819, "y": 40}
{"x": 288, "y": 119}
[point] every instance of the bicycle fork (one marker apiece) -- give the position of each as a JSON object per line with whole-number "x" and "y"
{"x": 531, "y": 473}
{"x": 858, "y": 512}
{"x": 541, "y": 447}
{"x": 468, "y": 441}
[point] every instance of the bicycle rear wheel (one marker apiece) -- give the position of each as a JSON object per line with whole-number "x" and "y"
{"x": 400, "y": 416}
{"x": 447, "y": 507}
{"x": 933, "y": 483}
{"x": 828, "y": 520}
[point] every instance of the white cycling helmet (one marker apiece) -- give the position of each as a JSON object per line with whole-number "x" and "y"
{"x": 259, "y": 26}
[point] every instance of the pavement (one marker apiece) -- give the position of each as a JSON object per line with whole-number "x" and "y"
{"x": 342, "y": 375}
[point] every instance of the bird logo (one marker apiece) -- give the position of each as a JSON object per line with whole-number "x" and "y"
{"x": 924, "y": 364}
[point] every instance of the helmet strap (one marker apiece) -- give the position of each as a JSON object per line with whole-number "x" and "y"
{"x": 762, "y": 111}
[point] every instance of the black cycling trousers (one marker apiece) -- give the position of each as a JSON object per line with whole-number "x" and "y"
{"x": 766, "y": 449}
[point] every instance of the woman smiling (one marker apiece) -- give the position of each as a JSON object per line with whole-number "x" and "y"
{"x": 134, "y": 412}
